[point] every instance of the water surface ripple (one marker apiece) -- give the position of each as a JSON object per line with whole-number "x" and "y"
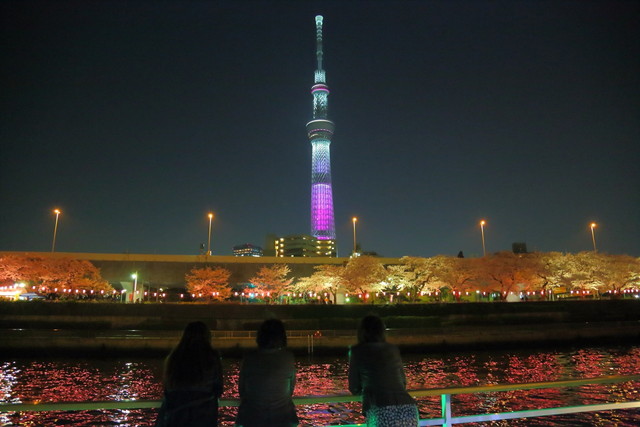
{"x": 51, "y": 380}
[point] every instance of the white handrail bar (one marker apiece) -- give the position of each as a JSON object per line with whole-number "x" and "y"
{"x": 445, "y": 420}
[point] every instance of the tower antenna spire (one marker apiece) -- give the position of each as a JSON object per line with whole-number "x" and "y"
{"x": 319, "y": 41}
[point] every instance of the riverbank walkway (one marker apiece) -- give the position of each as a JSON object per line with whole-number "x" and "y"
{"x": 49, "y": 341}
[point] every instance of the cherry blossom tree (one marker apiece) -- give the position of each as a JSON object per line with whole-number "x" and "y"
{"x": 620, "y": 272}
{"x": 211, "y": 283}
{"x": 506, "y": 272}
{"x": 553, "y": 270}
{"x": 325, "y": 279}
{"x": 425, "y": 274}
{"x": 599, "y": 273}
{"x": 272, "y": 280}
{"x": 399, "y": 279}
{"x": 457, "y": 274}
{"x": 363, "y": 274}
{"x": 53, "y": 275}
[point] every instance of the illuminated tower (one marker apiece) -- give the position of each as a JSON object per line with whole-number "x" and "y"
{"x": 320, "y": 131}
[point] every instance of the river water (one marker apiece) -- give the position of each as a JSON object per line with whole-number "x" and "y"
{"x": 48, "y": 380}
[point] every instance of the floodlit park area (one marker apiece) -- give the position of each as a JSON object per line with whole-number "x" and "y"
{"x": 504, "y": 276}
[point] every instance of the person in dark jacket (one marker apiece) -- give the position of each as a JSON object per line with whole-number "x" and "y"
{"x": 267, "y": 379}
{"x": 192, "y": 381}
{"x": 376, "y": 372}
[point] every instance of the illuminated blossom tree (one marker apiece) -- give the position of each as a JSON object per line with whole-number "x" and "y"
{"x": 398, "y": 279}
{"x": 506, "y": 272}
{"x": 211, "y": 283}
{"x": 326, "y": 279}
{"x": 585, "y": 272}
{"x": 457, "y": 274}
{"x": 271, "y": 281}
{"x": 620, "y": 272}
{"x": 53, "y": 275}
{"x": 599, "y": 273}
{"x": 553, "y": 270}
{"x": 17, "y": 269}
{"x": 424, "y": 274}
{"x": 363, "y": 275}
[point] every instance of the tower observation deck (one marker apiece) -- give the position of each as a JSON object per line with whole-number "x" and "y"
{"x": 320, "y": 131}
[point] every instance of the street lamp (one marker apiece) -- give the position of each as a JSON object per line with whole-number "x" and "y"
{"x": 55, "y": 229}
{"x": 209, "y": 240}
{"x": 593, "y": 235}
{"x": 484, "y": 249}
{"x": 134, "y": 276}
{"x": 354, "y": 219}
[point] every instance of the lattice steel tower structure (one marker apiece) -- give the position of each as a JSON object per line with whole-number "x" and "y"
{"x": 320, "y": 131}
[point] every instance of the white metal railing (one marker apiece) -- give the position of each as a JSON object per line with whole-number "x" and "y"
{"x": 446, "y": 419}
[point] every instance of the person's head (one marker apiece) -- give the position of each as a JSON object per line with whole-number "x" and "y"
{"x": 195, "y": 334}
{"x": 371, "y": 329}
{"x": 191, "y": 358}
{"x": 271, "y": 334}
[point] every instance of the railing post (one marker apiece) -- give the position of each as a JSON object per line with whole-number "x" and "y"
{"x": 309, "y": 343}
{"x": 446, "y": 410}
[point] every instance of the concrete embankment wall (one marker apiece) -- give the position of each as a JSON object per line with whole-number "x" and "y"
{"x": 168, "y": 271}
{"x": 54, "y": 326}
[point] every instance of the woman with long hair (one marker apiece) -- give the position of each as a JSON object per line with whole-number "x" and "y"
{"x": 192, "y": 381}
{"x": 267, "y": 379}
{"x": 376, "y": 372}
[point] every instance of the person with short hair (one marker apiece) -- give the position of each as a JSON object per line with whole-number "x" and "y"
{"x": 376, "y": 371}
{"x": 192, "y": 381}
{"x": 267, "y": 379}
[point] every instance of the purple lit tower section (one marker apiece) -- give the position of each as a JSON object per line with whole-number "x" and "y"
{"x": 320, "y": 131}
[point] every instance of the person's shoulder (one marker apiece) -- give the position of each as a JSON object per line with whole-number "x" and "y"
{"x": 287, "y": 354}
{"x": 387, "y": 346}
{"x": 362, "y": 347}
{"x": 356, "y": 347}
{"x": 373, "y": 347}
{"x": 250, "y": 354}
{"x": 390, "y": 345}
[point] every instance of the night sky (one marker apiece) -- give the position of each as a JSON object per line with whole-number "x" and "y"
{"x": 136, "y": 118}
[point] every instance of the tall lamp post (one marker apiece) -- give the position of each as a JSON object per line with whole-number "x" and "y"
{"x": 134, "y": 276}
{"x": 354, "y": 219}
{"x": 209, "y": 240}
{"x": 55, "y": 229}
{"x": 593, "y": 235}
{"x": 484, "y": 249}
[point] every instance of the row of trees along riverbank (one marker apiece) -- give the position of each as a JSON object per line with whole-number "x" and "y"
{"x": 501, "y": 276}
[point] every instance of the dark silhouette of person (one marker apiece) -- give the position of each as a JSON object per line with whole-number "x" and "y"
{"x": 267, "y": 379}
{"x": 192, "y": 381}
{"x": 376, "y": 372}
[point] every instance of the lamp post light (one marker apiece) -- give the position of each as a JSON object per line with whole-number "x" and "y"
{"x": 484, "y": 249}
{"x": 354, "y": 219}
{"x": 134, "y": 276}
{"x": 55, "y": 229}
{"x": 593, "y": 235}
{"x": 209, "y": 239}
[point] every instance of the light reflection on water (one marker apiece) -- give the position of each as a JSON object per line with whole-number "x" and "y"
{"x": 84, "y": 380}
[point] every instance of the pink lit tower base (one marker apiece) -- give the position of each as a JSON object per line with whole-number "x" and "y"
{"x": 320, "y": 131}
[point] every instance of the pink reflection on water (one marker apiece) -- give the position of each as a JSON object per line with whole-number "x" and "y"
{"x": 65, "y": 380}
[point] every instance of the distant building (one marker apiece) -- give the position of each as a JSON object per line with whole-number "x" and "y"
{"x": 247, "y": 249}
{"x": 303, "y": 245}
{"x": 269, "y": 247}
